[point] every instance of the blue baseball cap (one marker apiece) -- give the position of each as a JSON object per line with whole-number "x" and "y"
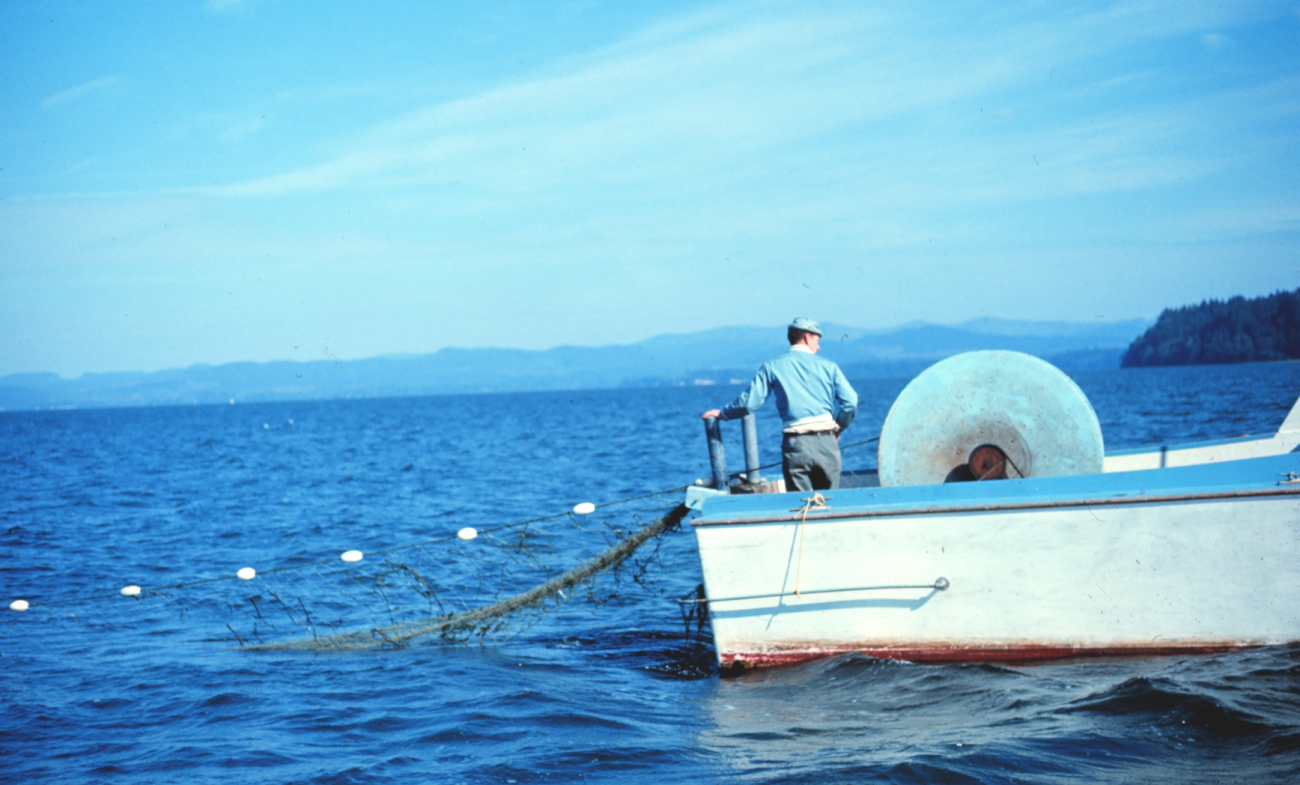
{"x": 807, "y": 325}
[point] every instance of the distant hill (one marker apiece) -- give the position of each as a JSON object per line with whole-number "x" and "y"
{"x": 715, "y": 356}
{"x": 1217, "y": 331}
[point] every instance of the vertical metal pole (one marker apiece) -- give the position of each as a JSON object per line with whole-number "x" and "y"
{"x": 749, "y": 427}
{"x": 717, "y": 457}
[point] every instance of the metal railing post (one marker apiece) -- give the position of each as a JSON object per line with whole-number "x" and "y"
{"x": 717, "y": 456}
{"x": 749, "y": 428}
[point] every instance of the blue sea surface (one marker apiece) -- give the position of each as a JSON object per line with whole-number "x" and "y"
{"x": 610, "y": 684}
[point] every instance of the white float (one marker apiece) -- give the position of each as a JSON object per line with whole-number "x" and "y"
{"x": 131, "y": 591}
{"x": 18, "y": 605}
{"x": 247, "y": 573}
{"x": 586, "y": 508}
{"x": 352, "y": 556}
{"x": 467, "y": 533}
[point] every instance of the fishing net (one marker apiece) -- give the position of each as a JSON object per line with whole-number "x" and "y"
{"x": 859, "y": 456}
{"x": 413, "y": 604}
{"x": 855, "y": 457}
{"x": 493, "y": 583}
{"x": 474, "y": 584}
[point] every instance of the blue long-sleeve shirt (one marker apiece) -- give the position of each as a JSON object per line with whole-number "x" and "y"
{"x": 805, "y": 386}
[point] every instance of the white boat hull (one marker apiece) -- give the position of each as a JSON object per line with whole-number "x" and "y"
{"x": 1169, "y": 561}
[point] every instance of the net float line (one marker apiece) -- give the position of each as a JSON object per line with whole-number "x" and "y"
{"x": 23, "y": 604}
{"x": 483, "y": 618}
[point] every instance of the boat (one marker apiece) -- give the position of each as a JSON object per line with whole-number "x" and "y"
{"x": 1169, "y": 550}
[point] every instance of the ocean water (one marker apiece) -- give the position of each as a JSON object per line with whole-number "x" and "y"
{"x": 608, "y": 685}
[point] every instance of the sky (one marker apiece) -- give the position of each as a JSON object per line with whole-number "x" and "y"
{"x": 204, "y": 182}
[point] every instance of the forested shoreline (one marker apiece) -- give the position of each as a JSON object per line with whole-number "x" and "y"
{"x": 1222, "y": 331}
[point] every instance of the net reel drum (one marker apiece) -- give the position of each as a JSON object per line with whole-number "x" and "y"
{"x": 989, "y": 415}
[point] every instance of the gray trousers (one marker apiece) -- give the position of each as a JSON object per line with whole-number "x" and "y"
{"x": 810, "y": 461}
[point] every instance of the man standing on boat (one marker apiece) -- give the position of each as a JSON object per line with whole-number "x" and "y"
{"x": 815, "y": 402}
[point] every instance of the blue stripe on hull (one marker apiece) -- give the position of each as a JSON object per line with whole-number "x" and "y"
{"x": 1226, "y": 478}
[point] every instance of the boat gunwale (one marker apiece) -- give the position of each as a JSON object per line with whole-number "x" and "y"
{"x": 1180, "y": 446}
{"x": 810, "y": 516}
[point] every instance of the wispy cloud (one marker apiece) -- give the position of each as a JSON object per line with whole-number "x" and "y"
{"x": 710, "y": 98}
{"x": 226, "y": 5}
{"x": 77, "y": 167}
{"x": 79, "y": 91}
{"x": 1243, "y": 221}
{"x": 1215, "y": 41}
{"x": 691, "y": 90}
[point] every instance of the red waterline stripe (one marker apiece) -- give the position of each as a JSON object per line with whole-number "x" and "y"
{"x": 941, "y": 655}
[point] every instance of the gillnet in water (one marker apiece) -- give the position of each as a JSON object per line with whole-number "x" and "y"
{"x": 436, "y": 616}
{"x": 497, "y": 581}
{"x": 501, "y": 581}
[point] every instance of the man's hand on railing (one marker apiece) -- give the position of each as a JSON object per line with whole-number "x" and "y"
{"x": 711, "y": 413}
